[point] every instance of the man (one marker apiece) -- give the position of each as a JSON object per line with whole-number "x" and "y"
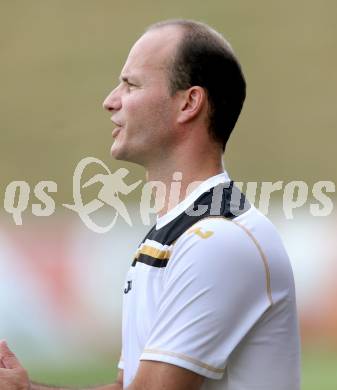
{"x": 209, "y": 300}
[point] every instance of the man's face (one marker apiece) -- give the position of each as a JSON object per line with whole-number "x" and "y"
{"x": 141, "y": 106}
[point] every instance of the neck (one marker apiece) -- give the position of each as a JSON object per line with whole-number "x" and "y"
{"x": 180, "y": 178}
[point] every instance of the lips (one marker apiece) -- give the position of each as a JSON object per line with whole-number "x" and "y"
{"x": 116, "y": 131}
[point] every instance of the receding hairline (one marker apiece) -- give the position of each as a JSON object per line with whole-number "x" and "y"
{"x": 190, "y": 26}
{"x": 190, "y": 29}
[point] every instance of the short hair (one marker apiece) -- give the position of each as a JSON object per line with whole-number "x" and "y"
{"x": 204, "y": 58}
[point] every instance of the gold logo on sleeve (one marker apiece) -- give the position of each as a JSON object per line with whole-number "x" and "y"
{"x": 200, "y": 233}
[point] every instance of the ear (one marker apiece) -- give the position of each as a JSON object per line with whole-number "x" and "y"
{"x": 192, "y": 102}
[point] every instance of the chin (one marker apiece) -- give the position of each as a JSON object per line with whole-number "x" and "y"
{"x": 119, "y": 153}
{"x": 124, "y": 155}
{"x": 116, "y": 153}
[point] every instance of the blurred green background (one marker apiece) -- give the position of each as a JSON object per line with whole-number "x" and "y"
{"x": 59, "y": 59}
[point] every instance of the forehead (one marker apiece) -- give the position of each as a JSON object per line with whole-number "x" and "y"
{"x": 153, "y": 50}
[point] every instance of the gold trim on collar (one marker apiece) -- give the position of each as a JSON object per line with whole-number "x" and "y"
{"x": 153, "y": 252}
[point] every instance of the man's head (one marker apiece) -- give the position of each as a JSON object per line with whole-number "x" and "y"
{"x": 204, "y": 58}
{"x": 179, "y": 75}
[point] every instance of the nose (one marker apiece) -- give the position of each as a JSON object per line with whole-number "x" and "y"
{"x": 113, "y": 101}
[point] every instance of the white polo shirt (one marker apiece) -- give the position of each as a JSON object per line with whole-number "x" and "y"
{"x": 216, "y": 298}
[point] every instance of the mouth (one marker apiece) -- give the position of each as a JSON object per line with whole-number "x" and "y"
{"x": 117, "y": 129}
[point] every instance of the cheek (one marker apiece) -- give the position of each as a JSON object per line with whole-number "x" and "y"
{"x": 136, "y": 108}
{"x": 148, "y": 110}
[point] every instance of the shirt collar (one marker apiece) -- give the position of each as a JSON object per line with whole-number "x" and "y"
{"x": 191, "y": 198}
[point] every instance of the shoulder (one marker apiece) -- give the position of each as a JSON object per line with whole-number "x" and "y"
{"x": 217, "y": 244}
{"x": 249, "y": 230}
{"x": 236, "y": 235}
{"x": 216, "y": 254}
{"x": 246, "y": 249}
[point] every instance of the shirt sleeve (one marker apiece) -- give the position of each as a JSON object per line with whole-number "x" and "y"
{"x": 214, "y": 292}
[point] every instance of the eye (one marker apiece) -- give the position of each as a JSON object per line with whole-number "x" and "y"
{"x": 130, "y": 85}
